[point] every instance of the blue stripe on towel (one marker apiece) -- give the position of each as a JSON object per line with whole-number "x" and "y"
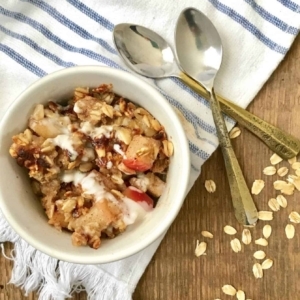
{"x": 272, "y": 19}
{"x": 290, "y": 5}
{"x": 198, "y": 97}
{"x": 194, "y": 149}
{"x": 48, "y": 34}
{"x": 190, "y": 91}
{"x": 248, "y": 26}
{"x": 191, "y": 117}
{"x": 194, "y": 168}
{"x": 37, "y": 48}
{"x": 22, "y": 61}
{"x": 92, "y": 14}
{"x": 70, "y": 24}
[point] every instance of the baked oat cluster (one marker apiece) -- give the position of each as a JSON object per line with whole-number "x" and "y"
{"x": 90, "y": 160}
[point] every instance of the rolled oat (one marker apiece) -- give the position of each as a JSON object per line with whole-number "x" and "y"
{"x": 210, "y": 186}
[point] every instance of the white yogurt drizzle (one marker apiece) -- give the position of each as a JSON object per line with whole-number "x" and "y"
{"x": 96, "y": 132}
{"x": 117, "y": 148}
{"x": 109, "y": 165}
{"x": 77, "y": 109}
{"x": 64, "y": 141}
{"x": 89, "y": 185}
{"x": 72, "y": 176}
{"x": 132, "y": 211}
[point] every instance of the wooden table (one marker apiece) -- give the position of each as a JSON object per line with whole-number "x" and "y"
{"x": 175, "y": 273}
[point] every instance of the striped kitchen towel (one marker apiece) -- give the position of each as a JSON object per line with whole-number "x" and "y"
{"x": 38, "y": 37}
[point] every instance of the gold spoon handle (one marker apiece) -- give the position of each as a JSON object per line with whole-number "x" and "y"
{"x": 282, "y": 143}
{"x": 244, "y": 207}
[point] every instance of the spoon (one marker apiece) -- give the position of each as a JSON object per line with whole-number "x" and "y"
{"x": 200, "y": 52}
{"x": 148, "y": 54}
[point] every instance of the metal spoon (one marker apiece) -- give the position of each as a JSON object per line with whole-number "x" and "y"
{"x": 200, "y": 51}
{"x": 149, "y": 54}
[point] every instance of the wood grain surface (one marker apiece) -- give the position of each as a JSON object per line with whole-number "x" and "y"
{"x": 174, "y": 272}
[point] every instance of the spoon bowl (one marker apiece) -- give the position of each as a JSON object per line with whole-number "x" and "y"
{"x": 198, "y": 46}
{"x": 148, "y": 54}
{"x": 144, "y": 51}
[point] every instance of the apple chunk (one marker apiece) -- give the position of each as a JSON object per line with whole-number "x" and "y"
{"x": 141, "y": 153}
{"x": 139, "y": 197}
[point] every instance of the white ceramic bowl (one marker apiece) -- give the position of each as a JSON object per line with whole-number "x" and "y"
{"x": 25, "y": 213}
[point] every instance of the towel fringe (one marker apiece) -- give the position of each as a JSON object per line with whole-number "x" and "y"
{"x": 57, "y": 280}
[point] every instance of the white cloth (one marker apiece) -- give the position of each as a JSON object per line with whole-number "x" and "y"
{"x": 39, "y": 37}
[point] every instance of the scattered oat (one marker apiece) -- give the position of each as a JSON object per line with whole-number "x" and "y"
{"x": 271, "y": 170}
{"x": 297, "y": 172}
{"x": 229, "y": 290}
{"x": 257, "y": 186}
{"x": 282, "y": 171}
{"x": 281, "y": 201}
{"x": 279, "y": 184}
{"x": 229, "y": 230}
{"x": 267, "y": 264}
{"x": 261, "y": 242}
{"x": 236, "y": 245}
{"x": 267, "y": 230}
{"x": 275, "y": 159}
{"x": 240, "y": 295}
{"x": 234, "y": 133}
{"x": 265, "y": 215}
{"x": 257, "y": 270}
{"x": 296, "y": 165}
{"x": 292, "y": 160}
{"x": 290, "y": 231}
{"x": 200, "y": 248}
{"x": 246, "y": 236}
{"x": 288, "y": 189}
{"x": 259, "y": 254}
{"x": 210, "y": 186}
{"x": 207, "y": 234}
{"x": 273, "y": 204}
{"x": 294, "y": 217}
{"x": 295, "y": 180}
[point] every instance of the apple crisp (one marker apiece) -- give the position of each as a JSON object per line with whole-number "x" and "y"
{"x": 97, "y": 163}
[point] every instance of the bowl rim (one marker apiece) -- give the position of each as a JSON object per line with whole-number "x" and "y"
{"x": 158, "y": 231}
